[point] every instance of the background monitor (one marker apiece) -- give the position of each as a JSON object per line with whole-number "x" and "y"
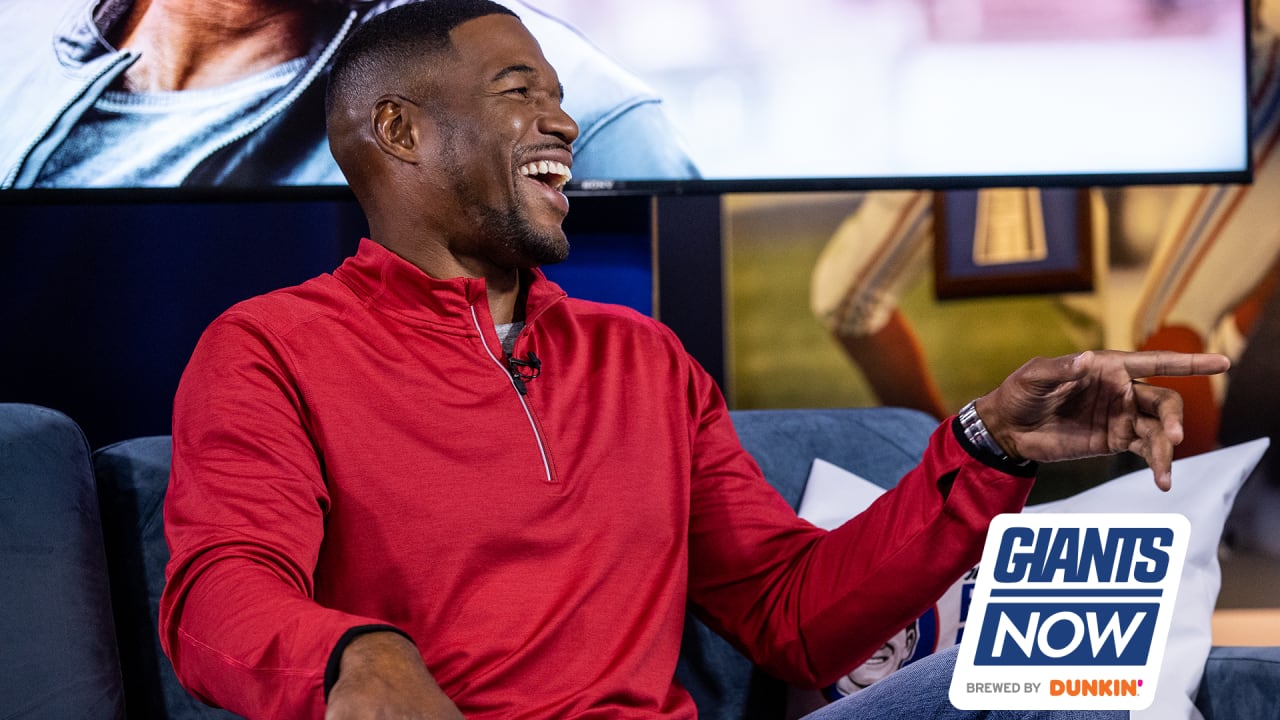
{"x": 759, "y": 95}
{"x": 940, "y": 93}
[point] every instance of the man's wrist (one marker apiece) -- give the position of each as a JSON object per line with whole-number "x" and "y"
{"x": 976, "y": 432}
{"x": 334, "y": 667}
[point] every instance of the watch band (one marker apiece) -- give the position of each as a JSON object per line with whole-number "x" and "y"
{"x": 976, "y": 431}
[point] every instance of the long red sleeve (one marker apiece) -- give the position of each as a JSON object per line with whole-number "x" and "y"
{"x": 809, "y": 605}
{"x": 245, "y": 516}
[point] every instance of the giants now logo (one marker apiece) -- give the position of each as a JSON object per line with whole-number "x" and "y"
{"x": 1082, "y": 596}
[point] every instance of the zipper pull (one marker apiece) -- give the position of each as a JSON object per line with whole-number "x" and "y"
{"x": 519, "y": 383}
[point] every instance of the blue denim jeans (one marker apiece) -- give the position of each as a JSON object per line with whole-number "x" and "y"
{"x": 919, "y": 692}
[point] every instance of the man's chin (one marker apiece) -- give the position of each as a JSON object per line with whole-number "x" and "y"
{"x": 553, "y": 258}
{"x": 545, "y": 248}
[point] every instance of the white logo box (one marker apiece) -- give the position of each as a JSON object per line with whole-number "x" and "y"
{"x": 1075, "y": 615}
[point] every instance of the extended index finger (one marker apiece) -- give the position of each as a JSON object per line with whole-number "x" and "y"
{"x": 1153, "y": 363}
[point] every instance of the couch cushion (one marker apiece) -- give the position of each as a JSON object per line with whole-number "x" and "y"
{"x": 59, "y": 645}
{"x": 132, "y": 478}
{"x": 881, "y": 444}
{"x": 1240, "y": 683}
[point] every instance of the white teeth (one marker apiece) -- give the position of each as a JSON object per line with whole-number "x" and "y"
{"x": 559, "y": 170}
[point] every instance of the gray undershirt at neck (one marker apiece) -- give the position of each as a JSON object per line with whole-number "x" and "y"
{"x": 132, "y": 139}
{"x": 507, "y": 333}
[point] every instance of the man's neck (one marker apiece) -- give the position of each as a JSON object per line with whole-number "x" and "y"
{"x": 192, "y": 44}
{"x": 507, "y": 295}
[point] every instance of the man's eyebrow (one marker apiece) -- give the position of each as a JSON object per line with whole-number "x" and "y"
{"x": 512, "y": 70}
{"x": 522, "y": 70}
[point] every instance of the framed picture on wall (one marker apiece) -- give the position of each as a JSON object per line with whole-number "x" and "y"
{"x": 1012, "y": 241}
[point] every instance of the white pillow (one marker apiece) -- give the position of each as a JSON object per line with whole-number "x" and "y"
{"x": 1204, "y": 488}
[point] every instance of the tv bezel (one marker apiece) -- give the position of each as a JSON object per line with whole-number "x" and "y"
{"x": 694, "y": 187}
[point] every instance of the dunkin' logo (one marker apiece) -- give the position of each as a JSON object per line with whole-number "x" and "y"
{"x": 1093, "y": 687}
{"x": 1060, "y": 600}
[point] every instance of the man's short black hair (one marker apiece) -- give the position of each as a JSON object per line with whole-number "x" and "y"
{"x": 399, "y": 38}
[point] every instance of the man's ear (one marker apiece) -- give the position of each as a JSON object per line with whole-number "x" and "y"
{"x": 394, "y": 129}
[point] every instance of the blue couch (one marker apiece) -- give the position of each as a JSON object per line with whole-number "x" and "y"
{"x": 82, "y": 559}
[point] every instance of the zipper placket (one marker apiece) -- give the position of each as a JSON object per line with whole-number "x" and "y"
{"x": 123, "y": 57}
{"x": 303, "y": 83}
{"x": 518, "y": 385}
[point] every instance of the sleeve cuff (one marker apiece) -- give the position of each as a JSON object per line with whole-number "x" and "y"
{"x": 335, "y": 658}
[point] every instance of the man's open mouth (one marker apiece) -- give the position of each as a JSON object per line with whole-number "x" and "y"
{"x": 548, "y": 172}
{"x": 879, "y": 658}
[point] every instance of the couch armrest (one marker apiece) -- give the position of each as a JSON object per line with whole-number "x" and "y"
{"x": 1240, "y": 683}
{"x": 57, "y": 644}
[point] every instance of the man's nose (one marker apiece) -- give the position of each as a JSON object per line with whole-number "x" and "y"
{"x": 558, "y": 123}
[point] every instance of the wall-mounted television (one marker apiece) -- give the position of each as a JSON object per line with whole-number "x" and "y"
{"x": 673, "y": 96}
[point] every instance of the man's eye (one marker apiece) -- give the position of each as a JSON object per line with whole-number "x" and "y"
{"x": 521, "y": 91}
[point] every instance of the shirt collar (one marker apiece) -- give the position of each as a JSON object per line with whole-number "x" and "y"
{"x": 382, "y": 278}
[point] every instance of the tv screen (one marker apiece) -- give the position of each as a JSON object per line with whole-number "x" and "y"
{"x": 672, "y": 96}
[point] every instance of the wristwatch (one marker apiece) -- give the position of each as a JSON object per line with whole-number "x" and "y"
{"x": 976, "y": 431}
